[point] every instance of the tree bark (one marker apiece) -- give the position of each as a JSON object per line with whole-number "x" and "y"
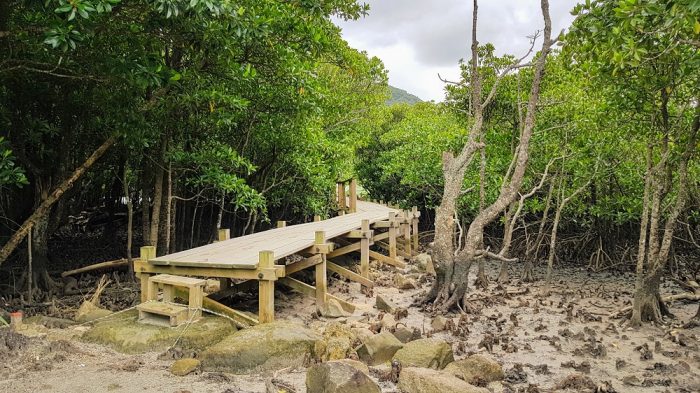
{"x": 43, "y": 209}
{"x": 451, "y": 285}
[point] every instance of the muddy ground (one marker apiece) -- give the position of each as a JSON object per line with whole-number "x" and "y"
{"x": 541, "y": 342}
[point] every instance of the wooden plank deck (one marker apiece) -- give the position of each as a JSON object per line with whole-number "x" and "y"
{"x": 243, "y": 252}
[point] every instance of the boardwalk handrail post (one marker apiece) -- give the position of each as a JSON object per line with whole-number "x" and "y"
{"x": 342, "y": 203}
{"x": 353, "y": 196}
{"x": 266, "y": 303}
{"x": 281, "y": 224}
{"x": 364, "y": 252}
{"x": 146, "y": 253}
{"x": 415, "y": 214}
{"x": 406, "y": 224}
{"x": 321, "y": 279}
{"x": 223, "y": 234}
{"x": 317, "y": 218}
{"x": 392, "y": 235}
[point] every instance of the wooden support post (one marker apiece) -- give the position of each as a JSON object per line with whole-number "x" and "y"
{"x": 147, "y": 252}
{"x": 321, "y": 280}
{"x": 281, "y": 224}
{"x": 407, "y": 231}
{"x": 224, "y": 234}
{"x": 364, "y": 251}
{"x": 266, "y": 306}
{"x": 341, "y": 197}
{"x": 353, "y": 196}
{"x": 414, "y": 226}
{"x": 392, "y": 235}
{"x": 317, "y": 218}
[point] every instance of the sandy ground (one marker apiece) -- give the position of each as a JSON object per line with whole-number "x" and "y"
{"x": 535, "y": 338}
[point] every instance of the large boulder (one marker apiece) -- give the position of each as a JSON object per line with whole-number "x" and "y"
{"x": 265, "y": 347}
{"x": 476, "y": 368}
{"x": 338, "y": 377}
{"x": 379, "y": 348}
{"x": 426, "y": 380}
{"x": 333, "y": 309}
{"x": 125, "y": 334}
{"x": 426, "y": 352}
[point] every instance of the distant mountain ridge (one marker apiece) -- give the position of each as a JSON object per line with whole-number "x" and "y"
{"x": 402, "y": 96}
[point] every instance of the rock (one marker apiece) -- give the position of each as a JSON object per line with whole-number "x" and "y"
{"x": 476, "y": 367}
{"x": 183, "y": 367}
{"x": 388, "y": 322}
{"x": 333, "y": 309}
{"x": 425, "y": 262}
{"x": 425, "y": 380}
{"x": 266, "y": 347}
{"x": 426, "y": 352}
{"x": 338, "y": 377}
{"x": 439, "y": 323}
{"x": 125, "y": 334}
{"x": 405, "y": 334}
{"x": 337, "y": 343}
{"x": 362, "y": 334}
{"x": 385, "y": 305}
{"x": 379, "y": 348}
{"x": 355, "y": 363}
{"x": 89, "y": 312}
{"x": 403, "y": 282}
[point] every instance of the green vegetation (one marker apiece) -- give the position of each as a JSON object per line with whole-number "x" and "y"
{"x": 401, "y": 96}
{"x": 206, "y": 114}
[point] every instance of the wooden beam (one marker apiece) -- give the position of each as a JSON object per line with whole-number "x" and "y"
{"x": 344, "y": 250}
{"x": 309, "y": 290}
{"x": 359, "y": 234}
{"x": 281, "y": 224}
{"x": 380, "y": 236}
{"x": 385, "y": 259}
{"x": 399, "y": 251}
{"x": 347, "y": 273}
{"x": 266, "y": 301}
{"x": 241, "y": 319}
{"x": 272, "y": 274}
{"x": 406, "y": 232}
{"x": 303, "y": 264}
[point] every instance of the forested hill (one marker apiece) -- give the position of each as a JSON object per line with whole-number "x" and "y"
{"x": 399, "y": 95}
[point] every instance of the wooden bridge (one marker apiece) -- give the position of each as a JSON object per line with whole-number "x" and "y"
{"x": 261, "y": 258}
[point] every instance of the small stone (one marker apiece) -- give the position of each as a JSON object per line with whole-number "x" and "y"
{"x": 439, "y": 323}
{"x": 426, "y": 352}
{"x": 183, "y": 367}
{"x": 403, "y": 282}
{"x": 388, "y": 322}
{"x": 425, "y": 262}
{"x": 339, "y": 377}
{"x": 333, "y": 309}
{"x": 405, "y": 334}
{"x": 379, "y": 348}
{"x": 385, "y": 305}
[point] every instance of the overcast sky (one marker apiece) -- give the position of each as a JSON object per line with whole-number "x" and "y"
{"x": 417, "y": 39}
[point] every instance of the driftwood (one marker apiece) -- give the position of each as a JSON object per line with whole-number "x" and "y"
{"x": 97, "y": 266}
{"x": 671, "y": 298}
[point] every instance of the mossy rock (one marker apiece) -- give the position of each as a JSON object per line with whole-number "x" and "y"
{"x": 426, "y": 352}
{"x": 476, "y": 367}
{"x": 125, "y": 334}
{"x": 266, "y": 347}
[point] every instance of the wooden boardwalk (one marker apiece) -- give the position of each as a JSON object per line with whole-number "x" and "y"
{"x": 259, "y": 259}
{"x": 243, "y": 252}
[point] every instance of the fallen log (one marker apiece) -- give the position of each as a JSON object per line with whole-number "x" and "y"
{"x": 97, "y": 266}
{"x": 667, "y": 299}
